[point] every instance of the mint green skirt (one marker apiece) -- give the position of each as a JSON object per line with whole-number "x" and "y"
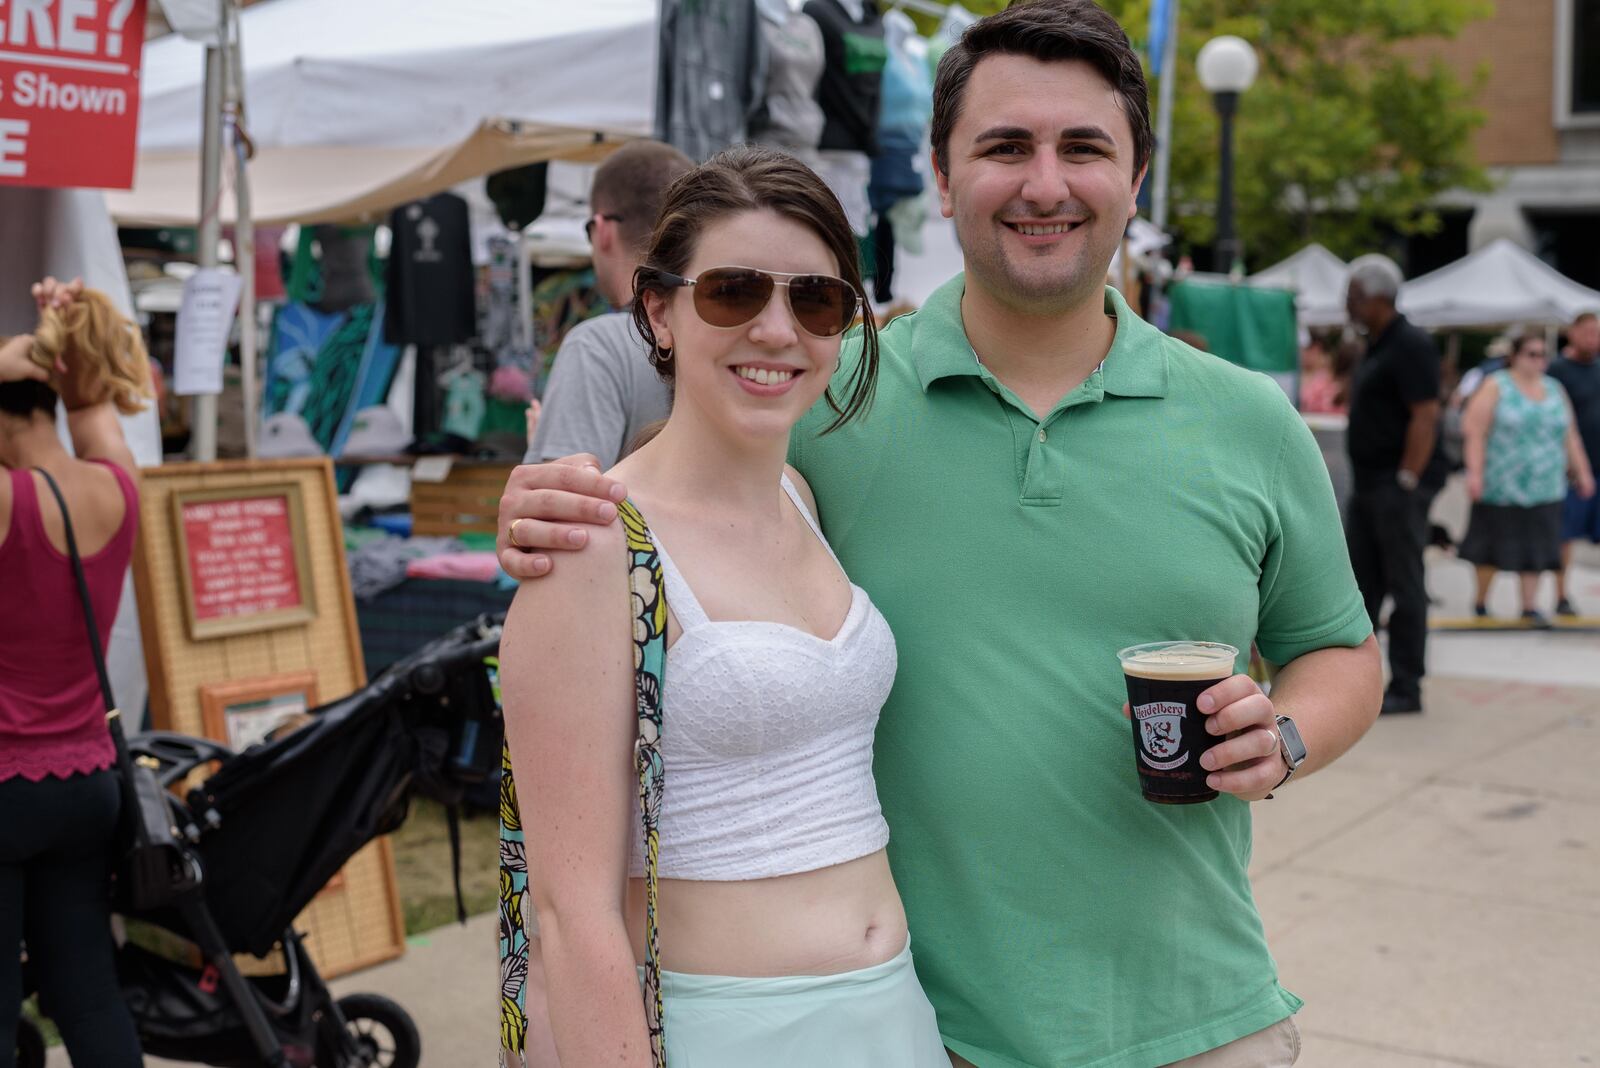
{"x": 875, "y": 1017}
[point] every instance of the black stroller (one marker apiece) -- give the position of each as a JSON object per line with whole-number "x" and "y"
{"x": 269, "y": 829}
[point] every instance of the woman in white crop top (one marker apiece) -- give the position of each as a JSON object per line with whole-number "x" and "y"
{"x": 783, "y": 943}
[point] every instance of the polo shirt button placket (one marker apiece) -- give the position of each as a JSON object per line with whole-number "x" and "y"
{"x": 1045, "y": 475}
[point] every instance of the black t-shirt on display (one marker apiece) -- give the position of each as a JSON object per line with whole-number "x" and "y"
{"x": 1401, "y": 369}
{"x": 852, "y": 78}
{"x": 1582, "y": 383}
{"x": 429, "y": 283}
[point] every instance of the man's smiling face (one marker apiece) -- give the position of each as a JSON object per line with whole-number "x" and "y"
{"x": 1040, "y": 181}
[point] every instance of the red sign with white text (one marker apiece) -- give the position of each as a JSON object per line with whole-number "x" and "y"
{"x": 69, "y": 91}
{"x": 241, "y": 557}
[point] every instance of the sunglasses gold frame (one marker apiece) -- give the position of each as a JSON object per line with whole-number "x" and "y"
{"x": 777, "y": 280}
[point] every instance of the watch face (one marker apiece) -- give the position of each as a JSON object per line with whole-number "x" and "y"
{"x": 1294, "y": 748}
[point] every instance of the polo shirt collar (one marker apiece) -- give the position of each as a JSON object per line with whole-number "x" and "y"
{"x": 1136, "y": 366}
{"x": 939, "y": 345}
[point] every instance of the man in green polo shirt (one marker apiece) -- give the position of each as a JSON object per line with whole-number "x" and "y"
{"x": 1043, "y": 479}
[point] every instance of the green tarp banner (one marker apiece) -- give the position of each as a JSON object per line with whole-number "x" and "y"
{"x": 1255, "y": 328}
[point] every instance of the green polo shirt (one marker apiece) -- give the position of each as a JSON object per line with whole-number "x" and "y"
{"x": 1057, "y": 918}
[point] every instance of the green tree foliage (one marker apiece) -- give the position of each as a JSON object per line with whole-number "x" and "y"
{"x": 1345, "y": 138}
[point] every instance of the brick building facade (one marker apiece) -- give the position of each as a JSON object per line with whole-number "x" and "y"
{"x": 1540, "y": 140}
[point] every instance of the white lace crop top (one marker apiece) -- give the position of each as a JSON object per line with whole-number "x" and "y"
{"x": 766, "y": 740}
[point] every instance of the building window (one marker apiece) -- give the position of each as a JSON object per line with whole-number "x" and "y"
{"x": 1585, "y": 57}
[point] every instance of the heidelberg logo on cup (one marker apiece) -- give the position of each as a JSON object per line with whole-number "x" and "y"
{"x": 1161, "y": 732}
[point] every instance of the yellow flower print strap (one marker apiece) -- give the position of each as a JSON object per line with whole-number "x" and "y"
{"x": 649, "y": 672}
{"x": 514, "y": 943}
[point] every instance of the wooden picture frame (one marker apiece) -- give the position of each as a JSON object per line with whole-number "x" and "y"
{"x": 247, "y": 711}
{"x": 251, "y": 551}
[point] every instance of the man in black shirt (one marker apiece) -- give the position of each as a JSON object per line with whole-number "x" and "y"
{"x": 1578, "y": 371}
{"x": 1394, "y": 426}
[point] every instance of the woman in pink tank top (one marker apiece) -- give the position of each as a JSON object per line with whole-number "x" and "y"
{"x": 59, "y": 795}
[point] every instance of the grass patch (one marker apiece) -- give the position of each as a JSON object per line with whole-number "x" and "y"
{"x": 422, "y": 865}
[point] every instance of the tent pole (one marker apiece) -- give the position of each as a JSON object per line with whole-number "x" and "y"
{"x": 524, "y": 294}
{"x": 244, "y": 233}
{"x": 1159, "y": 205}
{"x": 203, "y": 432}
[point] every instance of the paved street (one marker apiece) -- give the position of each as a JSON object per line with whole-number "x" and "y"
{"x": 1432, "y": 896}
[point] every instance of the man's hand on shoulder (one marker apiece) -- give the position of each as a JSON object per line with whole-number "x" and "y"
{"x": 550, "y": 505}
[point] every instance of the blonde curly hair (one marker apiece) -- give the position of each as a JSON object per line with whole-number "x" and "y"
{"x": 103, "y": 352}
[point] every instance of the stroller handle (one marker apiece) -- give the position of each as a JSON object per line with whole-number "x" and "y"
{"x": 430, "y": 674}
{"x": 175, "y": 755}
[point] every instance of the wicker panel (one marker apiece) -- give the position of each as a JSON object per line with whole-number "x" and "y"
{"x": 357, "y": 922}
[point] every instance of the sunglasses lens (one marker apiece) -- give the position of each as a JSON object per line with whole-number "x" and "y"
{"x": 822, "y": 306}
{"x": 731, "y": 297}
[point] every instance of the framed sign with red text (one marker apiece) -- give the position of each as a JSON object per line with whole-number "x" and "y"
{"x": 69, "y": 92}
{"x": 243, "y": 559}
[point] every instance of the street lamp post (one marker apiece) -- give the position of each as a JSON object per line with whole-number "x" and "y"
{"x": 1227, "y": 67}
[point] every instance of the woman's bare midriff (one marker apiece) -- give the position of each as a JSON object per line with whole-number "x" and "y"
{"x": 823, "y": 922}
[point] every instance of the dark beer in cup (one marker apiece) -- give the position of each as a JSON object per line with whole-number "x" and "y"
{"x": 1165, "y": 680}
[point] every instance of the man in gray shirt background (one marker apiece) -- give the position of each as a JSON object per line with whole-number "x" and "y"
{"x": 602, "y": 390}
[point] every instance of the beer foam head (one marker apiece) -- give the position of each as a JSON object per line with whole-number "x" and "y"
{"x": 1179, "y": 660}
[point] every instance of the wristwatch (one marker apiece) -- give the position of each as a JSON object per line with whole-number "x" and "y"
{"x": 1405, "y": 479}
{"x": 1292, "y": 748}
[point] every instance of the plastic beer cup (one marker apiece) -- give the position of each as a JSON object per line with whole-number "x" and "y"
{"x": 1165, "y": 680}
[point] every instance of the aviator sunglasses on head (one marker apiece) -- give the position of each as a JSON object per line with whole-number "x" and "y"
{"x": 729, "y": 297}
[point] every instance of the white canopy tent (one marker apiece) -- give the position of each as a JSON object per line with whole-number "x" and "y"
{"x": 355, "y": 106}
{"x": 1317, "y": 277}
{"x": 1500, "y": 283}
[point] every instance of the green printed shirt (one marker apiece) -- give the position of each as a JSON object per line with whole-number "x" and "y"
{"x": 1057, "y": 918}
{"x": 1525, "y": 460}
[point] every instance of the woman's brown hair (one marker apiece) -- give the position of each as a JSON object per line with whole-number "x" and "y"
{"x": 744, "y": 179}
{"x": 1524, "y": 338}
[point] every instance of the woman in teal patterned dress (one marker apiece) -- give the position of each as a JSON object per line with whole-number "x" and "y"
{"x": 1521, "y": 447}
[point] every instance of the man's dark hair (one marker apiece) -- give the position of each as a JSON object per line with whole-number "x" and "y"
{"x": 1045, "y": 30}
{"x": 630, "y": 185}
{"x": 1585, "y": 317}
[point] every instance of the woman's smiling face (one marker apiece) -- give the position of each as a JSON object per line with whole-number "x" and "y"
{"x": 759, "y": 378}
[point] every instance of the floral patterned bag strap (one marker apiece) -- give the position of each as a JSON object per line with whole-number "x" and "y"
{"x": 649, "y": 672}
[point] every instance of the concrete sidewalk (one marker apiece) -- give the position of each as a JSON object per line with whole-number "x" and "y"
{"x": 1432, "y": 896}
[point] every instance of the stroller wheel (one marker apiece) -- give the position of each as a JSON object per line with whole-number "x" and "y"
{"x": 30, "y": 1045}
{"x": 384, "y": 1032}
